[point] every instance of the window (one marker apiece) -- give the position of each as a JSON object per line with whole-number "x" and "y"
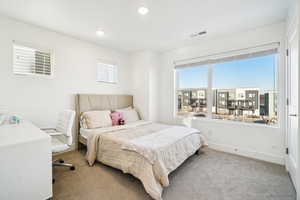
{"x": 107, "y": 73}
{"x": 30, "y": 61}
{"x": 241, "y": 88}
{"x": 192, "y": 91}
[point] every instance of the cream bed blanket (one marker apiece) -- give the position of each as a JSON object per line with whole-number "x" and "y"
{"x": 149, "y": 151}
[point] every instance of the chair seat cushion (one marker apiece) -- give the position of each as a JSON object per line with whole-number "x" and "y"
{"x": 58, "y": 145}
{"x": 53, "y": 132}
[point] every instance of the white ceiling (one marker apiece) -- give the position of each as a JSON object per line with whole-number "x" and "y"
{"x": 167, "y": 25}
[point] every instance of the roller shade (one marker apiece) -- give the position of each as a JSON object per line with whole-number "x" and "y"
{"x": 262, "y": 50}
{"x": 31, "y": 61}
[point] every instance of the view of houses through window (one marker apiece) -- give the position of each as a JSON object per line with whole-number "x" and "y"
{"x": 242, "y": 90}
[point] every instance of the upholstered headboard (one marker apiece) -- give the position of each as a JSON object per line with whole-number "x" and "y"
{"x": 89, "y": 102}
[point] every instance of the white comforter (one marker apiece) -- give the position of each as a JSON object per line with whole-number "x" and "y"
{"x": 149, "y": 151}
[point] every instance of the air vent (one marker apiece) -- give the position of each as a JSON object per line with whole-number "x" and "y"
{"x": 198, "y": 34}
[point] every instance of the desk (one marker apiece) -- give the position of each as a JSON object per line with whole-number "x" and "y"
{"x": 25, "y": 163}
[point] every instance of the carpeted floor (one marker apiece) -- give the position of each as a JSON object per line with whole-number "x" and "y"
{"x": 210, "y": 176}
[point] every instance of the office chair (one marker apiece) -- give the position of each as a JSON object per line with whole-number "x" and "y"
{"x": 61, "y": 136}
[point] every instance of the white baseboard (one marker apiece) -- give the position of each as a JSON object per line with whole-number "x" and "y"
{"x": 248, "y": 153}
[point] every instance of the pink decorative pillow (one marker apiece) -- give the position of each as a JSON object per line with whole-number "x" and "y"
{"x": 116, "y": 117}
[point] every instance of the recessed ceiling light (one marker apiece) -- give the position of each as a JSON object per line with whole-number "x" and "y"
{"x": 100, "y": 33}
{"x": 143, "y": 10}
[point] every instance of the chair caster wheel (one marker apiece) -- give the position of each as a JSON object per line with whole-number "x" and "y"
{"x": 61, "y": 161}
{"x": 72, "y": 168}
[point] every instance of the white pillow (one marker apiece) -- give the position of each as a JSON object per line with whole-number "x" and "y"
{"x": 130, "y": 115}
{"x": 96, "y": 119}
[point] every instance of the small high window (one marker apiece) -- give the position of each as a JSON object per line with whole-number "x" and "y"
{"x": 107, "y": 73}
{"x": 31, "y": 61}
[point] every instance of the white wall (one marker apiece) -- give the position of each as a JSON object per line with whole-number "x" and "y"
{"x": 145, "y": 83}
{"x": 256, "y": 141}
{"x": 40, "y": 99}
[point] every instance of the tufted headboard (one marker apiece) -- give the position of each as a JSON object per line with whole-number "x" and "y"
{"x": 89, "y": 102}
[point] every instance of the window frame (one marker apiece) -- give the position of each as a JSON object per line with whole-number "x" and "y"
{"x": 116, "y": 71}
{"x": 37, "y": 48}
{"x": 209, "y": 117}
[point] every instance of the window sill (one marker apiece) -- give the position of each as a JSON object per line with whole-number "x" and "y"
{"x": 112, "y": 83}
{"x": 34, "y": 76}
{"x": 228, "y": 122}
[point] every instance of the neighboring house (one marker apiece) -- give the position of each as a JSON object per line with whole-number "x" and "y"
{"x": 192, "y": 100}
{"x": 268, "y": 102}
{"x": 238, "y": 101}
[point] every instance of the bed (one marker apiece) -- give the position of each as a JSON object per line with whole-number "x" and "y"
{"x": 149, "y": 151}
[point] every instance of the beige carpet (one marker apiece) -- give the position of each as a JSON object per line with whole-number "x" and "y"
{"x": 211, "y": 176}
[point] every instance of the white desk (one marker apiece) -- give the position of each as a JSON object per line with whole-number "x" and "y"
{"x": 25, "y": 163}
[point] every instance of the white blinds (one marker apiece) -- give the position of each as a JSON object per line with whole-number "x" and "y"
{"x": 31, "y": 61}
{"x": 262, "y": 50}
{"x": 107, "y": 73}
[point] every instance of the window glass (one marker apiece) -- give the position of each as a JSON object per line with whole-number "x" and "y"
{"x": 192, "y": 91}
{"x": 245, "y": 90}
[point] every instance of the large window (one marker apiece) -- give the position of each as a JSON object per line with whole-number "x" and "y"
{"x": 237, "y": 88}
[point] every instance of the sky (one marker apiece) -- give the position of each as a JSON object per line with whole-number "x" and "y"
{"x": 256, "y": 72}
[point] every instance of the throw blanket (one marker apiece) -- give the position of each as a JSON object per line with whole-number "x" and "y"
{"x": 156, "y": 143}
{"x": 148, "y": 151}
{"x": 93, "y": 139}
